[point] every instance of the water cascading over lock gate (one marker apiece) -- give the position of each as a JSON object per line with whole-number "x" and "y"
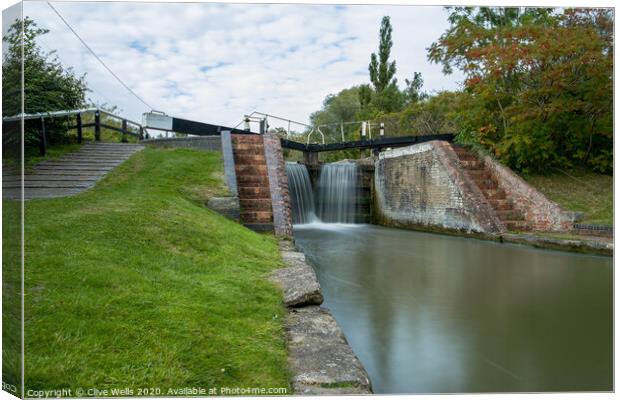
{"x": 335, "y": 198}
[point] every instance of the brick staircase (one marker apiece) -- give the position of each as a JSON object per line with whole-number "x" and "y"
{"x": 503, "y": 207}
{"x": 252, "y": 182}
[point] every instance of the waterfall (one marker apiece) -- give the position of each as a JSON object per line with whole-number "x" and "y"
{"x": 300, "y": 191}
{"x": 337, "y": 193}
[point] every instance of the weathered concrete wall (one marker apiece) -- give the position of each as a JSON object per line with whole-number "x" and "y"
{"x": 540, "y": 213}
{"x": 278, "y": 186}
{"x": 205, "y": 143}
{"x": 423, "y": 186}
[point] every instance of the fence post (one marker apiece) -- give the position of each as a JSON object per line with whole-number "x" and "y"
{"x": 79, "y": 128}
{"x": 97, "y": 126}
{"x": 43, "y": 140}
{"x": 124, "y": 135}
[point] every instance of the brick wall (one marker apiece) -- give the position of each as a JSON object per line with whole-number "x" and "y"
{"x": 278, "y": 185}
{"x": 252, "y": 182}
{"x": 540, "y": 213}
{"x": 423, "y": 186}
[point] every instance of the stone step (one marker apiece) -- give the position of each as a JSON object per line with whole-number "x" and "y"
{"x": 509, "y": 215}
{"x": 516, "y": 225}
{"x": 87, "y": 158}
{"x": 65, "y": 168}
{"x": 49, "y": 184}
{"x": 77, "y": 164}
{"x": 38, "y": 177}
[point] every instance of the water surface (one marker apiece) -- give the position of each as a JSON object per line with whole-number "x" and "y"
{"x": 430, "y": 313}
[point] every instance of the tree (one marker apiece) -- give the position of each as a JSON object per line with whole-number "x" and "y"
{"x": 413, "y": 89}
{"x": 539, "y": 84}
{"x": 382, "y": 71}
{"x": 48, "y": 86}
{"x": 385, "y": 96}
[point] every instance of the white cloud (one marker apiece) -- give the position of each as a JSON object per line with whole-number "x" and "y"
{"x": 216, "y": 62}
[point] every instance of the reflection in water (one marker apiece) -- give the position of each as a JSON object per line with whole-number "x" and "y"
{"x": 430, "y": 313}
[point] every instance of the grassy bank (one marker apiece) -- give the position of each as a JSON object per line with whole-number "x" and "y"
{"x": 586, "y": 192}
{"x": 135, "y": 283}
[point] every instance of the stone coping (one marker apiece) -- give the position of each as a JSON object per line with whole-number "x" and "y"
{"x": 320, "y": 359}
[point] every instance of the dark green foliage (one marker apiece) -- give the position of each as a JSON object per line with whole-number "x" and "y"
{"x": 384, "y": 95}
{"x": 539, "y": 84}
{"x": 48, "y": 86}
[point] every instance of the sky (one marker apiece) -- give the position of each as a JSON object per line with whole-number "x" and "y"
{"x": 216, "y": 62}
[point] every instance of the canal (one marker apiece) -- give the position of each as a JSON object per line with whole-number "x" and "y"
{"x": 429, "y": 313}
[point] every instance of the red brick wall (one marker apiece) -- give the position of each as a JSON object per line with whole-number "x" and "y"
{"x": 541, "y": 213}
{"x": 252, "y": 182}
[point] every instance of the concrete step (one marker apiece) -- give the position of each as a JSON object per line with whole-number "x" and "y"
{"x": 49, "y": 184}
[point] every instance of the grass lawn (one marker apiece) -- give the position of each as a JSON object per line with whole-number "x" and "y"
{"x": 136, "y": 284}
{"x": 587, "y": 192}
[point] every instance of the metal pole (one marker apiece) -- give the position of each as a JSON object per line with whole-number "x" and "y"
{"x": 79, "y": 128}
{"x": 43, "y": 141}
{"x": 342, "y": 131}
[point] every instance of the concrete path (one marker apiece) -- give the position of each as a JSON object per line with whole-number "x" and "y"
{"x": 69, "y": 174}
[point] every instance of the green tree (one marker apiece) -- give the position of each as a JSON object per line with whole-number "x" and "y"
{"x": 539, "y": 84}
{"x": 48, "y": 86}
{"x": 413, "y": 89}
{"x": 385, "y": 97}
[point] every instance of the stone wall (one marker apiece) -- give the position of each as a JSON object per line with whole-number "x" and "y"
{"x": 423, "y": 186}
{"x": 278, "y": 186}
{"x": 540, "y": 213}
{"x": 205, "y": 143}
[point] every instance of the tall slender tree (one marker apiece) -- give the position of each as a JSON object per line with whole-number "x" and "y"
{"x": 385, "y": 97}
{"x": 381, "y": 69}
